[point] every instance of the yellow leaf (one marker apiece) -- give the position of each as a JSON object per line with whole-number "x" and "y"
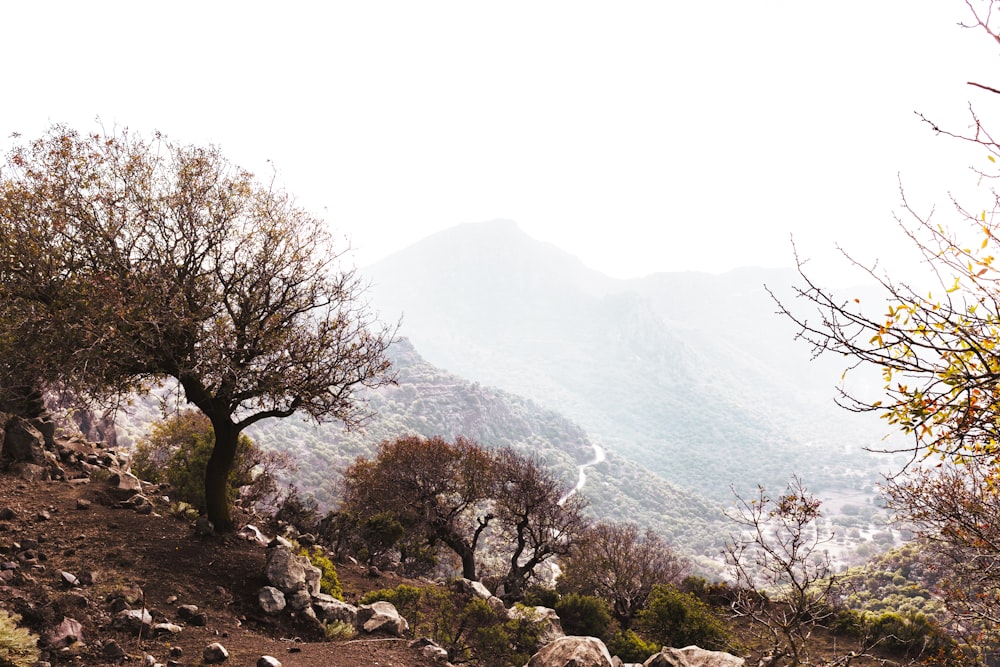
{"x": 990, "y": 158}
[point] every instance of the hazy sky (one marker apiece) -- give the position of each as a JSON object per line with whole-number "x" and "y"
{"x": 640, "y": 136}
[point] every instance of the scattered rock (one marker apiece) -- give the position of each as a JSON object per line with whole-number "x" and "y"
{"x": 268, "y": 661}
{"x": 474, "y": 588}
{"x": 67, "y": 633}
{"x": 215, "y": 653}
{"x": 329, "y": 609}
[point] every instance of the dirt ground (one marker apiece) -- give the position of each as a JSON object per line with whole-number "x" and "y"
{"x": 162, "y": 556}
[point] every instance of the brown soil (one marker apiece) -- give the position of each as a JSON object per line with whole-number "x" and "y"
{"x": 162, "y": 556}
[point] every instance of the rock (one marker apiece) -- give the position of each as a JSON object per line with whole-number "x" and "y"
{"x": 67, "y": 633}
{"x": 215, "y": 653}
{"x": 381, "y": 617}
{"x": 547, "y": 618}
{"x": 135, "y": 621}
{"x": 161, "y": 629}
{"x": 139, "y": 503}
{"x": 692, "y": 656}
{"x": 113, "y": 652}
{"x": 298, "y": 600}
{"x": 23, "y": 443}
{"x": 572, "y": 652}
{"x": 271, "y": 599}
{"x": 328, "y": 609}
{"x": 82, "y": 504}
{"x": 68, "y": 579}
{"x": 252, "y": 533}
{"x": 186, "y": 611}
{"x": 268, "y": 661}
{"x": 125, "y": 482}
{"x": 474, "y": 588}
{"x": 289, "y": 573}
{"x": 430, "y": 650}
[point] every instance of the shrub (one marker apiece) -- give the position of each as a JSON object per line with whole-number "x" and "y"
{"x": 583, "y": 615}
{"x": 539, "y": 596}
{"x": 177, "y": 452}
{"x": 18, "y": 646}
{"x": 329, "y": 583}
{"x": 631, "y": 648}
{"x": 338, "y": 630}
{"x": 673, "y": 618}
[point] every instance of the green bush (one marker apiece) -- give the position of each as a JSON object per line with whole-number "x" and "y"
{"x": 631, "y": 648}
{"x": 18, "y": 646}
{"x": 908, "y": 633}
{"x": 583, "y": 615}
{"x": 329, "y": 583}
{"x": 540, "y": 596}
{"x": 673, "y": 618}
{"x": 177, "y": 452}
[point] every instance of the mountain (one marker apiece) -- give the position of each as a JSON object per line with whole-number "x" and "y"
{"x": 693, "y": 375}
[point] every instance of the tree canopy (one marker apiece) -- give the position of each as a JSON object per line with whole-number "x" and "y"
{"x": 124, "y": 261}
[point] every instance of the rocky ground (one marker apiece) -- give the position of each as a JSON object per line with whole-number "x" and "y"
{"x": 69, "y": 551}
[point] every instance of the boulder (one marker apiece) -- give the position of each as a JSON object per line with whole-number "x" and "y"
{"x": 693, "y": 656}
{"x": 474, "y": 588}
{"x": 381, "y": 617}
{"x": 289, "y": 573}
{"x": 572, "y": 652}
{"x": 268, "y": 661}
{"x": 134, "y": 621}
{"x": 271, "y": 600}
{"x": 547, "y": 618}
{"x": 67, "y": 633}
{"x": 22, "y": 442}
{"x": 329, "y": 609}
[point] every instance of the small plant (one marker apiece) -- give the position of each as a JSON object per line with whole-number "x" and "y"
{"x": 631, "y": 648}
{"x": 673, "y": 618}
{"x": 18, "y": 646}
{"x": 338, "y": 630}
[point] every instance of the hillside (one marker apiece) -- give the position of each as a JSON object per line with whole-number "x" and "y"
{"x": 692, "y": 374}
{"x": 428, "y": 401}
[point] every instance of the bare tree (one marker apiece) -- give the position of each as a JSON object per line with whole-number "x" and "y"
{"x": 621, "y": 564}
{"x": 784, "y": 580}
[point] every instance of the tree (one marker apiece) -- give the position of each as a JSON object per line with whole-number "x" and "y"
{"x": 940, "y": 362}
{"x": 620, "y": 564}
{"x": 783, "y": 577}
{"x": 533, "y": 521}
{"x": 125, "y": 261}
{"x": 432, "y": 487}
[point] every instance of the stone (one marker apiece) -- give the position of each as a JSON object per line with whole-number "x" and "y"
{"x": 298, "y": 600}
{"x": 67, "y": 633}
{"x": 693, "y": 656}
{"x": 288, "y": 572}
{"x": 474, "y": 588}
{"x": 125, "y": 482}
{"x": 23, "y": 442}
{"x": 113, "y": 652}
{"x": 572, "y": 652}
{"x": 328, "y": 609}
{"x": 68, "y": 579}
{"x": 430, "y": 650}
{"x": 547, "y": 618}
{"x": 161, "y": 629}
{"x": 215, "y": 653}
{"x": 268, "y": 661}
{"x": 271, "y": 599}
{"x": 186, "y": 611}
{"x": 135, "y": 621}
{"x": 82, "y": 504}
{"x": 381, "y": 617}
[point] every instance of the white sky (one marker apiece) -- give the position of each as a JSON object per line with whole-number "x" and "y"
{"x": 639, "y": 136}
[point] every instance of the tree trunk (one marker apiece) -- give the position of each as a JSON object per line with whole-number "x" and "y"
{"x": 220, "y": 463}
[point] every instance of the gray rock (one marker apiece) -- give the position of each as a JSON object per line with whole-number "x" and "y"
{"x": 572, "y": 652}
{"x": 215, "y": 653}
{"x": 328, "y": 609}
{"x": 693, "y": 656}
{"x": 268, "y": 661}
{"x": 289, "y": 573}
{"x": 161, "y": 629}
{"x": 113, "y": 652}
{"x": 474, "y": 588}
{"x": 133, "y": 620}
{"x": 547, "y": 618}
{"x": 298, "y": 600}
{"x": 125, "y": 482}
{"x": 381, "y": 617}
{"x": 271, "y": 599}
{"x": 23, "y": 442}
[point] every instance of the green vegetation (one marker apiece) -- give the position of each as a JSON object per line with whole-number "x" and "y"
{"x": 673, "y": 618}
{"x": 18, "y": 646}
{"x": 329, "y": 583}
